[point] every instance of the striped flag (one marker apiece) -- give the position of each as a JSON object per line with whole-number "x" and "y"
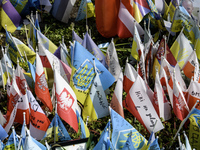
{"x": 9, "y": 16}
{"x": 61, "y": 9}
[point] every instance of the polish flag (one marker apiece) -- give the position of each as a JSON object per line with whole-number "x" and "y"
{"x": 66, "y": 101}
{"x": 41, "y": 86}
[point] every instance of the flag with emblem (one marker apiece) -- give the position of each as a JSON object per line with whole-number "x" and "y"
{"x": 121, "y": 129}
{"x": 12, "y": 142}
{"x": 67, "y": 102}
{"x": 83, "y": 72}
{"x": 41, "y": 86}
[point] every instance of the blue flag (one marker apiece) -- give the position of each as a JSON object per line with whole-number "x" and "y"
{"x": 76, "y": 37}
{"x": 3, "y": 134}
{"x": 121, "y": 130}
{"x": 129, "y": 144}
{"x": 10, "y": 143}
{"x": 154, "y": 145}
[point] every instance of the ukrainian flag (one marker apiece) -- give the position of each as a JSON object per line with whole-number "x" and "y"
{"x": 9, "y": 16}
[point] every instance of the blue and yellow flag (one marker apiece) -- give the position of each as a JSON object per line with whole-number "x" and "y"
{"x": 12, "y": 142}
{"x": 96, "y": 103}
{"x": 121, "y": 130}
{"x": 171, "y": 9}
{"x": 3, "y": 134}
{"x": 129, "y": 143}
{"x": 85, "y": 133}
{"x": 60, "y": 131}
{"x": 194, "y": 134}
{"x": 9, "y": 16}
{"x": 84, "y": 65}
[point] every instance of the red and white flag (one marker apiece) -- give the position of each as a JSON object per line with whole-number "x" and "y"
{"x": 39, "y": 122}
{"x": 126, "y": 20}
{"x": 145, "y": 112}
{"x": 41, "y": 86}
{"x": 190, "y": 65}
{"x": 130, "y": 75}
{"x": 180, "y": 106}
{"x": 160, "y": 102}
{"x": 116, "y": 102}
{"x": 66, "y": 101}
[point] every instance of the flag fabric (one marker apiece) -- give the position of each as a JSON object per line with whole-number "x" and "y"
{"x": 67, "y": 102}
{"x": 17, "y": 50}
{"x": 64, "y": 54}
{"x": 83, "y": 72}
{"x": 116, "y": 101}
{"x": 129, "y": 144}
{"x": 38, "y": 120}
{"x": 76, "y": 37}
{"x": 2, "y": 119}
{"x": 180, "y": 106}
{"x": 32, "y": 70}
{"x": 183, "y": 19}
{"x": 194, "y": 135}
{"x": 2, "y": 145}
{"x": 47, "y": 5}
{"x": 187, "y": 143}
{"x": 113, "y": 61}
{"x": 61, "y": 9}
{"x": 45, "y": 42}
{"x": 126, "y": 17}
{"x": 96, "y": 104}
{"x": 12, "y": 142}
{"x": 139, "y": 101}
{"x": 41, "y": 86}
{"x": 89, "y": 44}
{"x": 22, "y": 7}
{"x": 154, "y": 145}
{"x": 137, "y": 45}
{"x": 121, "y": 129}
{"x": 161, "y": 6}
{"x": 3, "y": 134}
{"x": 160, "y": 102}
{"x": 85, "y": 133}
{"x": 82, "y": 14}
{"x": 30, "y": 144}
{"x": 193, "y": 95}
{"x": 130, "y": 75}
{"x": 191, "y": 66}
{"x": 171, "y": 9}
{"x": 57, "y": 129}
{"x": 10, "y": 16}
{"x": 141, "y": 67}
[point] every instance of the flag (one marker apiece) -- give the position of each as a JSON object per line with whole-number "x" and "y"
{"x": 61, "y": 9}
{"x": 57, "y": 129}
{"x": 32, "y": 70}
{"x": 106, "y": 22}
{"x": 129, "y": 144}
{"x": 181, "y": 49}
{"x": 41, "y": 86}
{"x": 64, "y": 54}
{"x": 197, "y": 44}
{"x": 9, "y": 16}
{"x": 121, "y": 130}
{"x": 45, "y": 42}
{"x": 96, "y": 104}
{"x": 116, "y": 101}
{"x": 187, "y": 143}
{"x": 127, "y": 17}
{"x": 22, "y": 7}
{"x": 46, "y": 5}
{"x": 38, "y": 120}
{"x": 17, "y": 50}
{"x": 180, "y": 106}
{"x": 82, "y": 14}
{"x": 130, "y": 76}
{"x": 67, "y": 102}
{"x": 2, "y": 119}
{"x": 194, "y": 135}
{"x": 171, "y": 9}
{"x": 83, "y": 72}
{"x": 154, "y": 145}
{"x": 139, "y": 101}
{"x": 161, "y": 6}
{"x": 76, "y": 37}
{"x": 141, "y": 67}
{"x": 30, "y": 144}
{"x": 160, "y": 102}
{"x": 3, "y": 134}
{"x": 190, "y": 65}
{"x": 2, "y": 145}
{"x": 113, "y": 61}
{"x": 12, "y": 142}
{"x": 193, "y": 94}
{"x": 89, "y": 44}
{"x": 85, "y": 133}
{"x": 137, "y": 45}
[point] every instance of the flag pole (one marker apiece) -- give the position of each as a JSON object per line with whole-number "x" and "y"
{"x": 13, "y": 130}
{"x": 20, "y": 140}
{"x": 55, "y": 111}
{"x": 26, "y": 34}
{"x": 1, "y": 68}
{"x": 184, "y": 120}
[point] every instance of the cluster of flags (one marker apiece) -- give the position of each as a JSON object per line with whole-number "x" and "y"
{"x": 40, "y": 77}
